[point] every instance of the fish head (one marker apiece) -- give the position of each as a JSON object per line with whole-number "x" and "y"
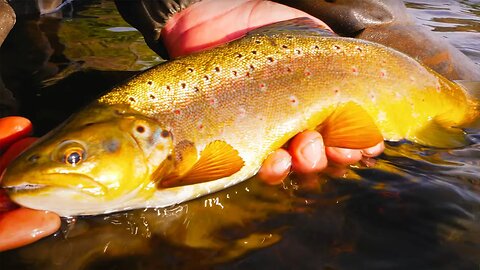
{"x": 95, "y": 163}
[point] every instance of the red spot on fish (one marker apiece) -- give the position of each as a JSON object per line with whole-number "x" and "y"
{"x": 358, "y": 49}
{"x": 355, "y": 70}
{"x": 288, "y": 69}
{"x": 382, "y": 74}
{"x": 308, "y": 73}
{"x": 212, "y": 102}
{"x": 263, "y": 87}
{"x": 247, "y": 74}
{"x": 176, "y": 111}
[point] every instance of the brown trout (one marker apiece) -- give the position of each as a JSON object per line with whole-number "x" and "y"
{"x": 203, "y": 122}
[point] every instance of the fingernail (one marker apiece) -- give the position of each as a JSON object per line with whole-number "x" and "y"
{"x": 311, "y": 152}
{"x": 281, "y": 165}
{"x": 346, "y": 153}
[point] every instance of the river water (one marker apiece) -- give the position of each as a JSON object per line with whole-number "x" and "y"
{"x": 411, "y": 208}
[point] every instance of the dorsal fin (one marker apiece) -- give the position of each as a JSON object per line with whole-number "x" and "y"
{"x": 304, "y": 25}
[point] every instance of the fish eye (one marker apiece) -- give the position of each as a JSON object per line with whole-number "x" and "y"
{"x": 70, "y": 152}
{"x": 73, "y": 156}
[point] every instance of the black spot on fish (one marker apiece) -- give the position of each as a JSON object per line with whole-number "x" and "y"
{"x": 254, "y": 52}
{"x": 270, "y": 59}
{"x": 196, "y": 89}
{"x": 258, "y": 42}
{"x": 168, "y": 87}
{"x": 149, "y": 82}
{"x": 217, "y": 69}
{"x": 111, "y": 146}
{"x": 165, "y": 133}
{"x": 234, "y": 73}
{"x": 206, "y": 77}
{"x": 316, "y": 47}
{"x": 183, "y": 85}
{"x": 190, "y": 69}
{"x": 289, "y": 37}
{"x": 238, "y": 55}
{"x": 285, "y": 46}
{"x": 252, "y": 67}
{"x": 152, "y": 96}
{"x": 131, "y": 99}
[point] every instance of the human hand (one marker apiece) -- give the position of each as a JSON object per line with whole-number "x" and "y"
{"x": 209, "y": 23}
{"x": 20, "y": 226}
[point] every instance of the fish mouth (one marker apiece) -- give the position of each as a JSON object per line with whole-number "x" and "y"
{"x": 73, "y": 181}
{"x": 24, "y": 188}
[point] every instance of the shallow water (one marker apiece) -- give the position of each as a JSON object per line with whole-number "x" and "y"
{"x": 411, "y": 208}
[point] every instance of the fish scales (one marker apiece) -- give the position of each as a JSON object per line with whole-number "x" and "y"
{"x": 311, "y": 74}
{"x": 251, "y": 95}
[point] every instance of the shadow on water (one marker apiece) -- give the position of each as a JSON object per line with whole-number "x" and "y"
{"x": 415, "y": 208}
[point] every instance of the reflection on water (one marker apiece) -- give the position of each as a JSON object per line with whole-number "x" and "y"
{"x": 412, "y": 208}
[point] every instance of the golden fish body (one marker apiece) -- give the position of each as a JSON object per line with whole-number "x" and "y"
{"x": 207, "y": 121}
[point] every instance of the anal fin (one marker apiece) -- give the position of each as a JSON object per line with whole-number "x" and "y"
{"x": 350, "y": 126}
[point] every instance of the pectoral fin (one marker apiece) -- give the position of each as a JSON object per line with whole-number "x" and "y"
{"x": 350, "y": 126}
{"x": 439, "y": 134}
{"x": 217, "y": 160}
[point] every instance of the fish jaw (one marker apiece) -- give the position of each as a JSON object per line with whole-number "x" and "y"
{"x": 80, "y": 195}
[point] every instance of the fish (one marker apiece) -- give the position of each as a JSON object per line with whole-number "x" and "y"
{"x": 204, "y": 122}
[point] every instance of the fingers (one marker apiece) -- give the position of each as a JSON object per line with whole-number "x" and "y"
{"x": 374, "y": 150}
{"x": 345, "y": 156}
{"x": 210, "y": 23}
{"x": 276, "y": 167}
{"x": 308, "y": 152}
{"x": 21, "y": 226}
{"x": 24, "y": 226}
{"x": 14, "y": 150}
{"x": 12, "y": 128}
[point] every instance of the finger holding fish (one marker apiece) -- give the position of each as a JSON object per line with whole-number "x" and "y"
{"x": 20, "y": 226}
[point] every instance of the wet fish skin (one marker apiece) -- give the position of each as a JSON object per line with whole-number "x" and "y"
{"x": 252, "y": 94}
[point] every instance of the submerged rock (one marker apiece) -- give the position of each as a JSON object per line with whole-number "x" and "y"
{"x": 7, "y": 20}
